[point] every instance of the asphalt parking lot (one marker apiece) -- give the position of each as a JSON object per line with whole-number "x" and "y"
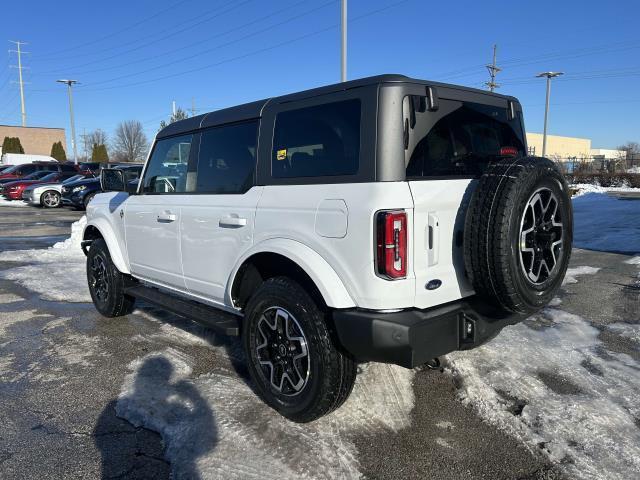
{"x": 74, "y": 387}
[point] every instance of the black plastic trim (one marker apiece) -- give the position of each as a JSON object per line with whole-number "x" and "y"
{"x": 412, "y": 337}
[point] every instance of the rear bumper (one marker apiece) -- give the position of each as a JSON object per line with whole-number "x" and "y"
{"x": 412, "y": 337}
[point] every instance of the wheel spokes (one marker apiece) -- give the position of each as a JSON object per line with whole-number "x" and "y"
{"x": 282, "y": 351}
{"x": 541, "y": 232}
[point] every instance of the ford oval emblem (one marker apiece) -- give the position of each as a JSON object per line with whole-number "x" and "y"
{"x": 433, "y": 284}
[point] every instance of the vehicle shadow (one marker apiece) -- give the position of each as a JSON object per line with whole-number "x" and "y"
{"x": 156, "y": 402}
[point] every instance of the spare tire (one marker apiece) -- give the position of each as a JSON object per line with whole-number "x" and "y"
{"x": 517, "y": 234}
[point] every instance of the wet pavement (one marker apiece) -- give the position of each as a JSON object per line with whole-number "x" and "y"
{"x": 62, "y": 368}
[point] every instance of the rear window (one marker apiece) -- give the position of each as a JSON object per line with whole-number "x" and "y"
{"x": 318, "y": 141}
{"x": 227, "y": 159}
{"x": 463, "y": 141}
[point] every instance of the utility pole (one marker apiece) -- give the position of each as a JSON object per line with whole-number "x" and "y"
{"x": 343, "y": 50}
{"x": 20, "y": 52}
{"x": 493, "y": 71}
{"x": 193, "y": 107}
{"x": 173, "y": 109}
{"x": 549, "y": 76}
{"x": 69, "y": 84}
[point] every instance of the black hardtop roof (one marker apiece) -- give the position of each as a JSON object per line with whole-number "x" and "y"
{"x": 252, "y": 110}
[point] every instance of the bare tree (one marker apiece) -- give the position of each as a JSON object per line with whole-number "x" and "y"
{"x": 130, "y": 144}
{"x": 630, "y": 149}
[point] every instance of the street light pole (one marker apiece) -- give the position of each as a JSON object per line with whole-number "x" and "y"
{"x": 69, "y": 84}
{"x": 549, "y": 76}
{"x": 343, "y": 49}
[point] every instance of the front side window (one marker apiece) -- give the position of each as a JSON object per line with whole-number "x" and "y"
{"x": 227, "y": 159}
{"x": 318, "y": 141}
{"x": 465, "y": 141}
{"x": 167, "y": 168}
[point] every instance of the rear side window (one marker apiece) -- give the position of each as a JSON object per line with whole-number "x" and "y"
{"x": 318, "y": 141}
{"x": 167, "y": 169}
{"x": 227, "y": 159}
{"x": 464, "y": 141}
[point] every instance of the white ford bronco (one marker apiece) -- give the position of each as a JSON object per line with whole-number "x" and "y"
{"x": 385, "y": 219}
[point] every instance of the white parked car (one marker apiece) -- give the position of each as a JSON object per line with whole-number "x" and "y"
{"x": 47, "y": 195}
{"x": 385, "y": 219}
{"x": 22, "y": 158}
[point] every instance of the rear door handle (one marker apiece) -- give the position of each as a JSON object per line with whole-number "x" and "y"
{"x": 232, "y": 222}
{"x": 166, "y": 217}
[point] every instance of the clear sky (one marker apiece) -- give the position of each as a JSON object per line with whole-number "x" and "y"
{"x": 133, "y": 58}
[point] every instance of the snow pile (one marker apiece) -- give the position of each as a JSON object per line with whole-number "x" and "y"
{"x": 572, "y": 273}
{"x": 57, "y": 273}
{"x": 214, "y": 426}
{"x": 585, "y": 188}
{"x": 606, "y": 224}
{"x": 634, "y": 170}
{"x": 12, "y": 203}
{"x": 549, "y": 383}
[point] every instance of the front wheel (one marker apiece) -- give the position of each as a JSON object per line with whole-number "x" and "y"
{"x": 297, "y": 368}
{"x": 106, "y": 283}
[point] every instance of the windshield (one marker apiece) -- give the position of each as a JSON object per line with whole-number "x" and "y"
{"x": 50, "y": 176}
{"x": 34, "y": 175}
{"x": 11, "y": 169}
{"x": 73, "y": 179}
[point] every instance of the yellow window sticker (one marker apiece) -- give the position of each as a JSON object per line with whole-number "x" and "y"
{"x": 281, "y": 154}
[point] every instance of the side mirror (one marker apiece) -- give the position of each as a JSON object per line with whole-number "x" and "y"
{"x": 112, "y": 180}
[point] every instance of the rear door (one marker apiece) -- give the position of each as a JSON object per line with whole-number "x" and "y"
{"x": 448, "y": 149}
{"x": 217, "y": 220}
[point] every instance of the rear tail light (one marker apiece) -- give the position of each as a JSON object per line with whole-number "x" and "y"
{"x": 509, "y": 151}
{"x": 391, "y": 244}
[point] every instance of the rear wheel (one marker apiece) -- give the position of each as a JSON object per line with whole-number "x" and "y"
{"x": 297, "y": 368}
{"x": 106, "y": 283}
{"x": 50, "y": 199}
{"x": 518, "y": 234}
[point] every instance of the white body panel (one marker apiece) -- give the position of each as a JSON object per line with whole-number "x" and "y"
{"x": 438, "y": 224}
{"x": 36, "y": 193}
{"x": 215, "y": 231}
{"x": 303, "y": 213}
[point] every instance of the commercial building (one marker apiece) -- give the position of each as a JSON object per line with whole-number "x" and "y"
{"x": 570, "y": 148}
{"x": 34, "y": 140}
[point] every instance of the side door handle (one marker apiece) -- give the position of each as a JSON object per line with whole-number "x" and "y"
{"x": 232, "y": 221}
{"x": 166, "y": 217}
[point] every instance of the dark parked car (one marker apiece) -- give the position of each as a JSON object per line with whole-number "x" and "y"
{"x": 78, "y": 194}
{"x": 20, "y": 171}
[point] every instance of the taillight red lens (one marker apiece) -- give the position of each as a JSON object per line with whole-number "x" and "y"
{"x": 391, "y": 244}
{"x": 509, "y": 151}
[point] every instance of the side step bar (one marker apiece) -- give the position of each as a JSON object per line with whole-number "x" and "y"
{"x": 218, "y": 320}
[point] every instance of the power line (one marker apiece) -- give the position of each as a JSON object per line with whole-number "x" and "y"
{"x": 163, "y": 35}
{"x": 166, "y": 53}
{"x": 252, "y": 53}
{"x": 113, "y": 34}
{"x": 219, "y": 46}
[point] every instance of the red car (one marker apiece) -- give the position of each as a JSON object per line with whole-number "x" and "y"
{"x": 13, "y": 190}
{"x": 20, "y": 171}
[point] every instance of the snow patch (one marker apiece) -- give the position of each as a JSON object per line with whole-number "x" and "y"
{"x": 214, "y": 426}
{"x": 43, "y": 272}
{"x": 633, "y": 261}
{"x": 606, "y": 224}
{"x": 6, "y": 298}
{"x": 12, "y": 203}
{"x": 572, "y": 273}
{"x": 580, "y": 401}
{"x": 584, "y": 188}
{"x": 627, "y": 330}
